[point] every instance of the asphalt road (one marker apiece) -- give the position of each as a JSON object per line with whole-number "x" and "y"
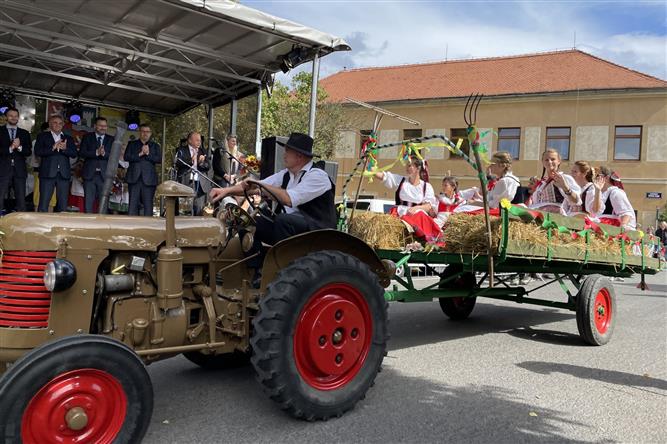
{"x": 510, "y": 373}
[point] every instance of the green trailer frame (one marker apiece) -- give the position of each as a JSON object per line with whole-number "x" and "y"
{"x": 518, "y": 257}
{"x": 466, "y": 276}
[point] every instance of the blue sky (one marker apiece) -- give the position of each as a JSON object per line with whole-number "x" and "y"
{"x": 381, "y": 33}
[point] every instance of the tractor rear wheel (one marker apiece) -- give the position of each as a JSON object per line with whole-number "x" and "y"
{"x": 320, "y": 335}
{"x": 458, "y": 308}
{"x": 596, "y": 305}
{"x": 84, "y": 388}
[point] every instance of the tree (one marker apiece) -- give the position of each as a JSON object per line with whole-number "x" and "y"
{"x": 288, "y": 111}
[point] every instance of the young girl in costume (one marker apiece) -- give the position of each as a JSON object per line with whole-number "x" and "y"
{"x": 554, "y": 187}
{"x": 614, "y": 208}
{"x": 415, "y": 198}
{"x": 591, "y": 187}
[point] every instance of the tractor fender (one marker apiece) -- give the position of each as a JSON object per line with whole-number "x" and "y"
{"x": 285, "y": 251}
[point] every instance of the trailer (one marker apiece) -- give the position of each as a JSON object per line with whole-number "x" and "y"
{"x": 582, "y": 274}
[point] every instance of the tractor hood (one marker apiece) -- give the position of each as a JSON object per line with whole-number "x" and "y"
{"x": 45, "y": 231}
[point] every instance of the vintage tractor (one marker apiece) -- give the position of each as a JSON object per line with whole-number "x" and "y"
{"x": 86, "y": 301}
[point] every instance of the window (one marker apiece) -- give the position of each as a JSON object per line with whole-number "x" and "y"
{"x": 558, "y": 138}
{"x": 411, "y": 133}
{"x": 509, "y": 140}
{"x": 627, "y": 142}
{"x": 456, "y": 134}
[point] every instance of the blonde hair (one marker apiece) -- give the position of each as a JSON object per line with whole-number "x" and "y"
{"x": 551, "y": 151}
{"x": 503, "y": 158}
{"x": 586, "y": 168}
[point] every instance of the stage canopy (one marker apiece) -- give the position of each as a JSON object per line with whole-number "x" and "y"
{"x": 158, "y": 56}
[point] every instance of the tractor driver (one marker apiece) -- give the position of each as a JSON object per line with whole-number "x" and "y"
{"x": 304, "y": 190}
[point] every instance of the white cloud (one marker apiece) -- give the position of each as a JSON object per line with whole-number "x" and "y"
{"x": 415, "y": 32}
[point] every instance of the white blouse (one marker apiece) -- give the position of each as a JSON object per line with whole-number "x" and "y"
{"x": 539, "y": 199}
{"x": 413, "y": 194}
{"x": 620, "y": 203}
{"x": 505, "y": 188}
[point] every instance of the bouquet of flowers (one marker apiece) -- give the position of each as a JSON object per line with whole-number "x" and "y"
{"x": 252, "y": 163}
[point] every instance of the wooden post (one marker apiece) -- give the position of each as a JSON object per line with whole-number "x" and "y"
{"x": 487, "y": 217}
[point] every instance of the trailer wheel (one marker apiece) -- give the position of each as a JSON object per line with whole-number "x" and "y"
{"x": 320, "y": 335}
{"x": 457, "y": 308}
{"x": 218, "y": 362}
{"x": 83, "y": 388}
{"x": 596, "y": 305}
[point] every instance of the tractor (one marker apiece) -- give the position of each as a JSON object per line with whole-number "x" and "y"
{"x": 88, "y": 301}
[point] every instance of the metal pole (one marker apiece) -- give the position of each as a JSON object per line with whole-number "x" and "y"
{"x": 232, "y": 116}
{"x": 164, "y": 147}
{"x": 258, "y": 136}
{"x": 313, "y": 95}
{"x": 210, "y": 130}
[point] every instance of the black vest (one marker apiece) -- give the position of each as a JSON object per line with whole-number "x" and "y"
{"x": 321, "y": 211}
{"x": 608, "y": 206}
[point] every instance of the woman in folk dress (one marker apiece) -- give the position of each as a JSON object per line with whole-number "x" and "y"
{"x": 614, "y": 207}
{"x": 554, "y": 187}
{"x": 415, "y": 198}
{"x": 591, "y": 186}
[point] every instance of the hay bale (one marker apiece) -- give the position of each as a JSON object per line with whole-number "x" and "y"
{"x": 466, "y": 233}
{"x": 380, "y": 231}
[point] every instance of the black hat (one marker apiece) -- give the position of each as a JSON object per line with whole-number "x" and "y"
{"x": 299, "y": 142}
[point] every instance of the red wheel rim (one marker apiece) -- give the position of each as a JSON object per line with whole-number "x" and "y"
{"x": 332, "y": 336}
{"x": 80, "y": 406}
{"x": 602, "y": 310}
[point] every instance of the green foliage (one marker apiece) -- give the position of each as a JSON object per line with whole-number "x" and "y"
{"x": 285, "y": 112}
{"x": 288, "y": 110}
{"x": 663, "y": 214}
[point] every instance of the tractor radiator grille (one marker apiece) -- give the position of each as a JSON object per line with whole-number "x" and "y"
{"x": 24, "y": 301}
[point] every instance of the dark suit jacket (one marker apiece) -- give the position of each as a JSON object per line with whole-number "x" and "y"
{"x": 93, "y": 162}
{"x": 54, "y": 162}
{"x": 142, "y": 168}
{"x": 19, "y": 168}
{"x": 183, "y": 172}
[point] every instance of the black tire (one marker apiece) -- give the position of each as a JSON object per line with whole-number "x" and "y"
{"x": 91, "y": 356}
{"x": 225, "y": 361}
{"x": 458, "y": 308}
{"x": 284, "y": 322}
{"x": 596, "y": 306}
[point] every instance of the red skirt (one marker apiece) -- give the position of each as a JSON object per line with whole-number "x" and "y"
{"x": 424, "y": 225}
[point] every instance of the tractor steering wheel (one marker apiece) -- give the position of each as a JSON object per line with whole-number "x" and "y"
{"x": 274, "y": 208}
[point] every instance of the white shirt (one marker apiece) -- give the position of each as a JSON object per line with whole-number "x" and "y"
{"x": 571, "y": 184}
{"x": 56, "y": 137}
{"x": 620, "y": 203}
{"x": 571, "y": 209}
{"x": 413, "y": 194}
{"x": 194, "y": 176}
{"x": 11, "y": 139}
{"x": 303, "y": 187}
{"x": 505, "y": 188}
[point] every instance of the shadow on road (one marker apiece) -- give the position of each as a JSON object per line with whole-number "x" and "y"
{"x": 424, "y": 323}
{"x": 548, "y": 336}
{"x": 229, "y": 406}
{"x": 609, "y": 376}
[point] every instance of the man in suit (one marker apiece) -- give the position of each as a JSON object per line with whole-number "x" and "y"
{"x": 191, "y": 162}
{"x": 95, "y": 149}
{"x": 142, "y": 154}
{"x": 15, "y": 147}
{"x": 55, "y": 149}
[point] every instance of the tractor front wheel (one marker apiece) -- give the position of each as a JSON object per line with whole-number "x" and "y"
{"x": 77, "y": 389}
{"x": 320, "y": 335}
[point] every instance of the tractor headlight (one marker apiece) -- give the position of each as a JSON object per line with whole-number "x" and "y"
{"x": 59, "y": 275}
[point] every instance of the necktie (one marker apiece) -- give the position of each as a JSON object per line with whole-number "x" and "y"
{"x": 12, "y": 133}
{"x": 99, "y": 141}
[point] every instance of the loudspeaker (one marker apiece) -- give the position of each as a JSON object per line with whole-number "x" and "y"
{"x": 272, "y": 156}
{"x": 331, "y": 169}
